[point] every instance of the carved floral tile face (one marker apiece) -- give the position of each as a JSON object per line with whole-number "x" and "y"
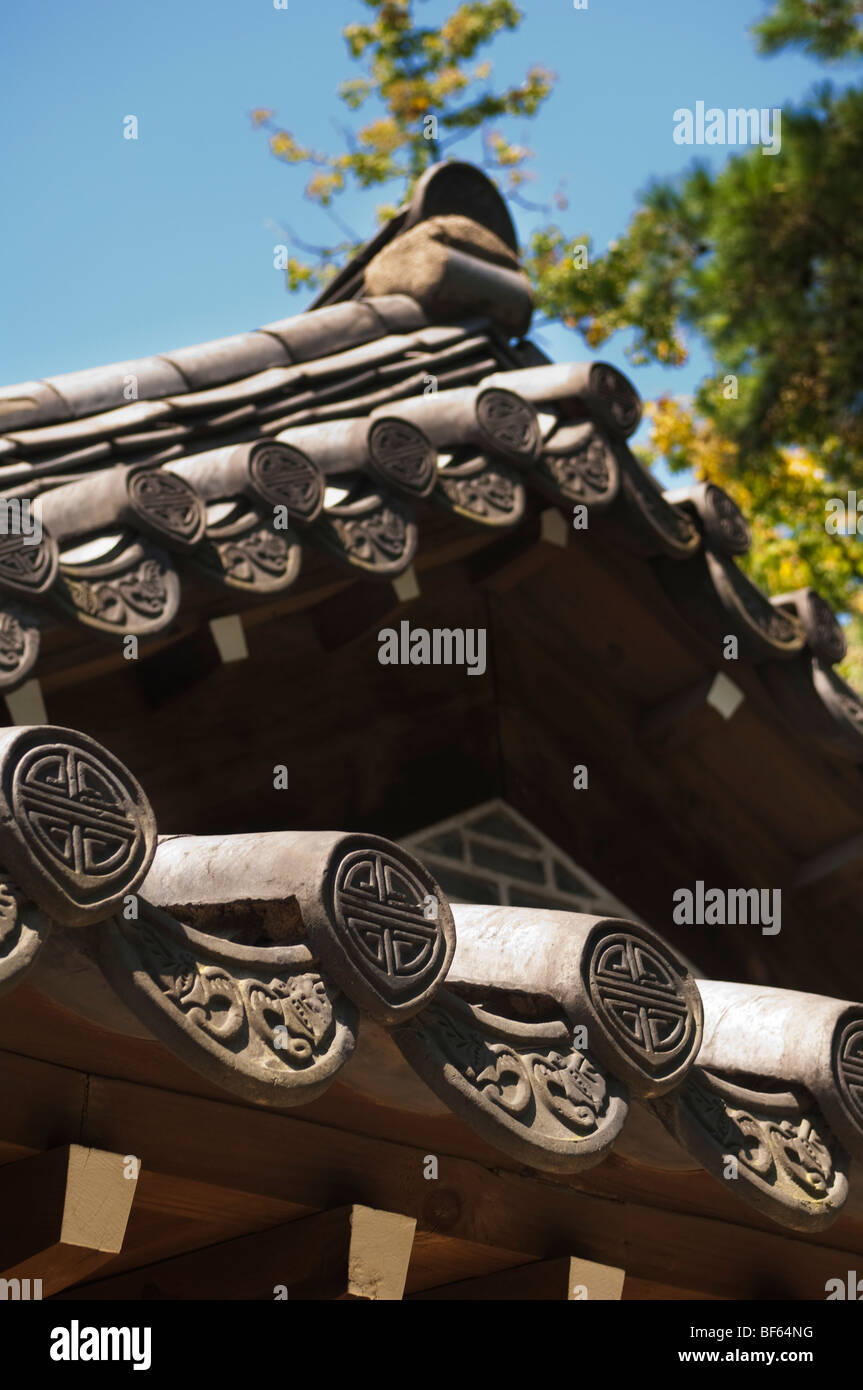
{"x": 23, "y": 928}
{"x": 262, "y": 1022}
{"x": 773, "y": 1152}
{"x": 524, "y": 1087}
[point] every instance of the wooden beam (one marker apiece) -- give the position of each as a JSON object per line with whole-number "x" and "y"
{"x": 554, "y": 529}
{"x": 229, "y": 637}
{"x": 63, "y": 1214}
{"x": 506, "y": 562}
{"x": 349, "y": 1253}
{"x": 564, "y": 1280}
{"x": 215, "y": 1170}
{"x": 406, "y": 586}
{"x": 812, "y": 870}
{"x": 173, "y": 670}
{"x": 26, "y": 705}
{"x": 716, "y": 692}
{"x": 654, "y": 1291}
{"x": 288, "y": 1157}
{"x": 349, "y": 617}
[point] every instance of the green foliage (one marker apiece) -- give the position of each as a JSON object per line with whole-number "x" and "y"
{"x": 433, "y": 95}
{"x": 829, "y": 29}
{"x": 763, "y": 260}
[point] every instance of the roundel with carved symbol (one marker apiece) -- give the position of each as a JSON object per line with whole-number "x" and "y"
{"x": 848, "y": 1063}
{"x": 586, "y": 473}
{"x": 286, "y": 478}
{"x": 27, "y": 566}
{"x": 402, "y": 456}
{"x": 392, "y": 926}
{"x": 510, "y": 424}
{"x": 618, "y": 396}
{"x": 81, "y": 833}
{"x": 648, "y": 1003}
{"x": 823, "y": 631}
{"x": 726, "y": 521}
{"x": 168, "y": 505}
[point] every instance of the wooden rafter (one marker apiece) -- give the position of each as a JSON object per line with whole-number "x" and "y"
{"x": 349, "y": 1253}
{"x": 566, "y": 1279}
{"x": 63, "y": 1214}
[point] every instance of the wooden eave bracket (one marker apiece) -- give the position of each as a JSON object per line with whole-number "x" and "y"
{"x": 63, "y": 1214}
{"x": 349, "y": 1253}
{"x": 829, "y": 861}
{"x": 716, "y": 692}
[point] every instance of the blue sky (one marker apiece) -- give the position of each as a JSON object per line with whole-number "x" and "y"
{"x": 115, "y": 248}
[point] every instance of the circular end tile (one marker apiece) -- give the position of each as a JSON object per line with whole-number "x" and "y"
{"x": 848, "y": 1067}
{"x": 28, "y": 566}
{"x": 647, "y": 1007}
{"x": 618, "y": 398}
{"x": 510, "y": 425}
{"x": 387, "y": 932}
{"x": 402, "y": 456}
{"x": 284, "y": 477}
{"x": 76, "y": 829}
{"x": 167, "y": 507}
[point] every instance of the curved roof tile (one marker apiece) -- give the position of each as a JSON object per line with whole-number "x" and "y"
{"x": 384, "y": 410}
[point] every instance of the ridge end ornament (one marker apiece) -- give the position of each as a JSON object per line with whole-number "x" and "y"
{"x": 725, "y": 522}
{"x": 720, "y": 520}
{"x": 381, "y": 927}
{"x": 76, "y": 829}
{"x": 821, "y": 627}
{"x": 646, "y": 1004}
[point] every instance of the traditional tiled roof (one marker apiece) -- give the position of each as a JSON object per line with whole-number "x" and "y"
{"x": 408, "y": 390}
{"x": 272, "y": 964}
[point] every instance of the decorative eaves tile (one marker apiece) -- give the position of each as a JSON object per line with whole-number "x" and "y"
{"x": 261, "y": 961}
